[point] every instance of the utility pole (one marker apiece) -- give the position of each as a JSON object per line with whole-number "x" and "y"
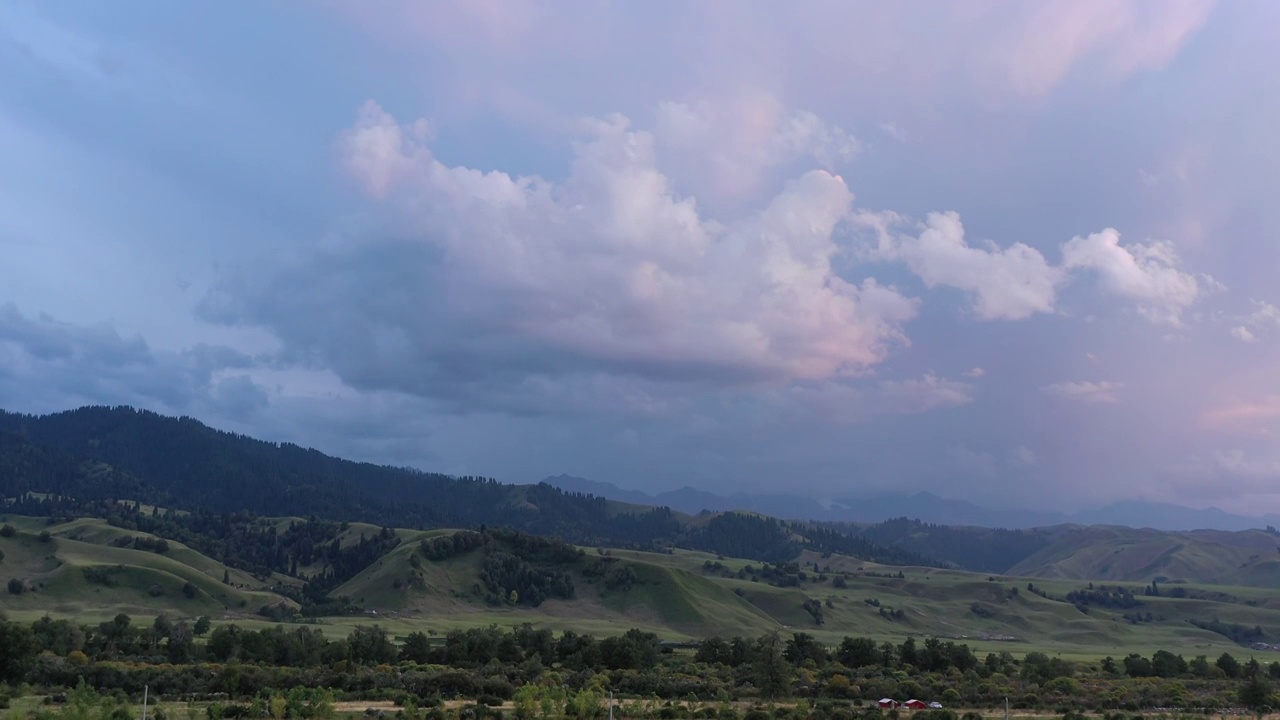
{"x": 1006, "y": 708}
{"x": 610, "y": 705}
{"x": 145, "y": 690}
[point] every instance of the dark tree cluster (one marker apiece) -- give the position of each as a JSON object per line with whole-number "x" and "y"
{"x": 1242, "y": 634}
{"x": 1120, "y": 598}
{"x": 977, "y": 549}
{"x": 508, "y": 578}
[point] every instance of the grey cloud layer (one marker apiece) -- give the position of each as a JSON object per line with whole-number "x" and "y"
{"x": 71, "y": 365}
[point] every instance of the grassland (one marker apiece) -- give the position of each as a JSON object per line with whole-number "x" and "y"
{"x": 78, "y": 570}
{"x": 1118, "y": 554}
{"x": 681, "y": 595}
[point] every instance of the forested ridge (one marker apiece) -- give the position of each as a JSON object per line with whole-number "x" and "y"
{"x": 220, "y": 492}
{"x": 992, "y": 550}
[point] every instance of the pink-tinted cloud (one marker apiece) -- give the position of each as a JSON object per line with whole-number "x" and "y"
{"x": 1253, "y": 414}
{"x": 610, "y": 264}
{"x": 1001, "y": 48}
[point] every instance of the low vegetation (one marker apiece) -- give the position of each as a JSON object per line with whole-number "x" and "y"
{"x": 237, "y": 672}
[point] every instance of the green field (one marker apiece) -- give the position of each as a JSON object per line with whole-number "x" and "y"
{"x": 675, "y": 595}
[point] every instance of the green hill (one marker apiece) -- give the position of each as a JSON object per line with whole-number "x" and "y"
{"x": 1249, "y": 557}
{"x": 86, "y": 568}
{"x": 688, "y": 594}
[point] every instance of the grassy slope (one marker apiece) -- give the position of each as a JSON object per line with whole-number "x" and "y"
{"x": 668, "y": 599}
{"x": 679, "y": 598}
{"x": 55, "y": 570}
{"x": 1129, "y": 555}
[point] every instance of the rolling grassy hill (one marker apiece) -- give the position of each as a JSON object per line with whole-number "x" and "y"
{"x": 81, "y": 569}
{"x": 688, "y": 594}
{"x": 1250, "y": 557}
{"x": 680, "y": 576}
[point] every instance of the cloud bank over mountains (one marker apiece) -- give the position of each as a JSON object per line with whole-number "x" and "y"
{"x": 734, "y": 247}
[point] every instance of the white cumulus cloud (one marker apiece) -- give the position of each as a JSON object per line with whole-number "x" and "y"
{"x": 1007, "y": 284}
{"x": 1145, "y": 273}
{"x": 608, "y": 271}
{"x": 722, "y": 147}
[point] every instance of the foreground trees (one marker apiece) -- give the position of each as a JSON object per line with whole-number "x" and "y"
{"x": 540, "y": 674}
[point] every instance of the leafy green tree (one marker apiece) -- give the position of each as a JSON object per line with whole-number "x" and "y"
{"x": 1167, "y": 665}
{"x": 369, "y": 645}
{"x": 19, "y": 651}
{"x": 858, "y": 652}
{"x": 202, "y": 626}
{"x": 586, "y": 704}
{"x": 1199, "y": 666}
{"x": 417, "y": 648}
{"x": 1228, "y": 664}
{"x": 802, "y": 647}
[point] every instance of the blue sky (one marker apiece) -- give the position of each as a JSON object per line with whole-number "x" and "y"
{"x": 1017, "y": 253}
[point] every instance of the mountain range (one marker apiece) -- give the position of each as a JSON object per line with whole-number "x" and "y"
{"x": 923, "y": 506}
{"x": 108, "y": 463}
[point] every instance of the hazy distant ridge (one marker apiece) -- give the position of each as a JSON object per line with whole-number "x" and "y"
{"x": 923, "y": 506}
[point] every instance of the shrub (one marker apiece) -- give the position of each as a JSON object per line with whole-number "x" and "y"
{"x": 8, "y": 531}
{"x": 16, "y": 586}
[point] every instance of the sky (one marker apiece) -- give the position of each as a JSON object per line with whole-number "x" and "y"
{"x": 1016, "y": 253}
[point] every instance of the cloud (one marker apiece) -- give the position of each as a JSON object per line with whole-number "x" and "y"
{"x": 975, "y": 373}
{"x": 723, "y": 147}
{"x": 1017, "y": 282}
{"x": 1264, "y": 318}
{"x": 849, "y": 402}
{"x": 1243, "y": 334}
{"x": 498, "y": 279}
{"x": 1085, "y": 392}
{"x": 1045, "y": 41}
{"x": 1237, "y": 464}
{"x": 1225, "y": 475}
{"x": 1257, "y": 412}
{"x": 1145, "y": 273}
{"x": 50, "y": 365}
{"x": 1007, "y": 284}
{"x": 1023, "y": 456}
{"x": 974, "y": 462}
{"x": 997, "y": 51}
{"x": 1264, "y": 313}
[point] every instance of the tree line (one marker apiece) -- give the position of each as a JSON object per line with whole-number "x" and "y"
{"x": 496, "y": 663}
